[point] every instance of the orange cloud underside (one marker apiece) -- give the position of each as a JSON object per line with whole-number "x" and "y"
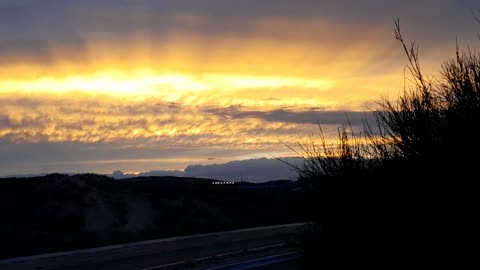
{"x": 108, "y": 92}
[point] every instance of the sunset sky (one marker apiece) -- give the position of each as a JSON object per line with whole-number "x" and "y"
{"x": 104, "y": 85}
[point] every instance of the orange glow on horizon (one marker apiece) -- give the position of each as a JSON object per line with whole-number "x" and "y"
{"x": 148, "y": 84}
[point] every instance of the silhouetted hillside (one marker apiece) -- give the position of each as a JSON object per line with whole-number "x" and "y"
{"x": 60, "y": 212}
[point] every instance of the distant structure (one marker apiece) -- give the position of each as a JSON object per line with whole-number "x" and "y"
{"x": 223, "y": 183}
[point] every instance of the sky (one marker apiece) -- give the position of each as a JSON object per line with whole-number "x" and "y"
{"x": 139, "y": 86}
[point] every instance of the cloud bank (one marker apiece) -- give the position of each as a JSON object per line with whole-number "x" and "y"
{"x": 252, "y": 170}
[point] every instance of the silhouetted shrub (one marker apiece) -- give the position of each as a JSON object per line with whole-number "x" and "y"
{"x": 402, "y": 190}
{"x": 432, "y": 121}
{"x": 431, "y": 126}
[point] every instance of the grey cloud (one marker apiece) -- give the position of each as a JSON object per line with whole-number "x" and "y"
{"x": 30, "y": 27}
{"x": 307, "y": 116}
{"x": 5, "y": 121}
{"x": 251, "y": 170}
{"x": 101, "y": 157}
{"x": 254, "y": 170}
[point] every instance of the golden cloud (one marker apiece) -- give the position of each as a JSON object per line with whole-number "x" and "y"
{"x": 158, "y": 91}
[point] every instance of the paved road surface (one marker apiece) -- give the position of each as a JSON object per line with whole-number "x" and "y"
{"x": 156, "y": 253}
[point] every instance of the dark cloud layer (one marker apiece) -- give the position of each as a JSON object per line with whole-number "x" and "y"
{"x": 30, "y": 27}
{"x": 41, "y": 158}
{"x": 306, "y": 116}
{"x": 255, "y": 170}
{"x": 251, "y": 170}
{"x": 74, "y": 157}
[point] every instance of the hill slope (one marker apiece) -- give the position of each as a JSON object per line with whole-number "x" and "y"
{"x": 61, "y": 212}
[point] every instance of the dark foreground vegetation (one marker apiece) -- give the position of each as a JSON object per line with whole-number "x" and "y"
{"x": 401, "y": 194}
{"x": 60, "y": 212}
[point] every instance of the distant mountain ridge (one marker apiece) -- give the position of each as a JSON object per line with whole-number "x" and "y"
{"x": 165, "y": 179}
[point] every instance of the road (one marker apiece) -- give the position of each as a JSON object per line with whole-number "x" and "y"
{"x": 172, "y": 251}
